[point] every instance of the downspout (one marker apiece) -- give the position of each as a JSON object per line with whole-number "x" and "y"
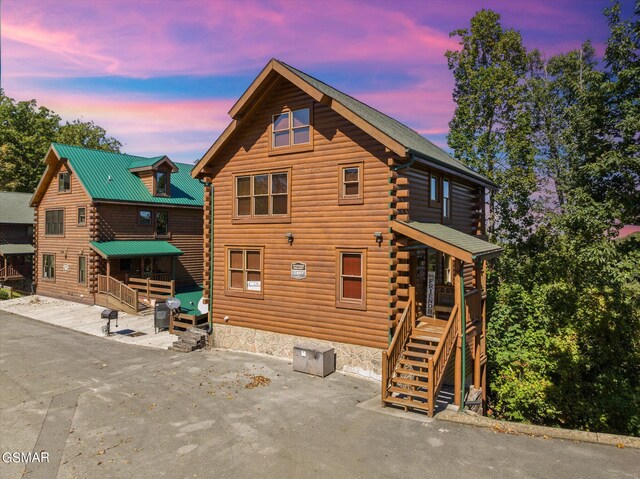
{"x": 210, "y": 331}
{"x": 463, "y": 330}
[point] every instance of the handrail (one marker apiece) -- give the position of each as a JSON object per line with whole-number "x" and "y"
{"x": 438, "y": 363}
{"x": 117, "y": 289}
{"x": 13, "y": 271}
{"x": 402, "y": 333}
{"x": 151, "y": 288}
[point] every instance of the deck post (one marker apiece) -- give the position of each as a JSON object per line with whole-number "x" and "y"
{"x": 173, "y": 267}
{"x": 457, "y": 382}
{"x": 385, "y": 375}
{"x": 148, "y": 289}
{"x": 108, "y": 267}
{"x": 476, "y": 359}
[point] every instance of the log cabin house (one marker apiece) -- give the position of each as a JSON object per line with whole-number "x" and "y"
{"x": 114, "y": 229}
{"x": 335, "y": 222}
{"x": 16, "y": 240}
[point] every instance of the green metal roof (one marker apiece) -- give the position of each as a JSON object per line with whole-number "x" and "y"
{"x": 10, "y": 249}
{"x": 471, "y": 244}
{"x": 14, "y": 208}
{"x": 409, "y": 138}
{"x": 132, "y": 249}
{"x": 145, "y": 162}
{"x": 106, "y": 176}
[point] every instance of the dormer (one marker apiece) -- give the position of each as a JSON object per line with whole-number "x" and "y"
{"x": 155, "y": 174}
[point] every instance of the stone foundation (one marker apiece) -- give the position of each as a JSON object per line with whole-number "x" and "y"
{"x": 350, "y": 358}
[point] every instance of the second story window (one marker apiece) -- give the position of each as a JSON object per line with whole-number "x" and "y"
{"x": 162, "y": 223}
{"x": 291, "y": 128}
{"x": 446, "y": 201}
{"x": 434, "y": 191}
{"x": 350, "y": 184}
{"x": 54, "y": 222}
{"x": 144, "y": 217}
{"x": 82, "y": 216}
{"x": 262, "y": 196}
{"x": 162, "y": 183}
{"x": 64, "y": 182}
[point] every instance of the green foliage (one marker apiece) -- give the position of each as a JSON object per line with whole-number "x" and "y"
{"x": 26, "y": 133}
{"x": 4, "y": 294}
{"x": 564, "y": 330}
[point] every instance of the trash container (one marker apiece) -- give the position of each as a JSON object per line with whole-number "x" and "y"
{"x": 161, "y": 316}
{"x": 314, "y": 359}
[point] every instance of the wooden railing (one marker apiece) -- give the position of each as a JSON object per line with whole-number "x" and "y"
{"x": 438, "y": 363}
{"x": 153, "y": 289}
{"x": 403, "y": 331}
{"x": 12, "y": 271}
{"x": 118, "y": 290}
{"x": 473, "y": 302}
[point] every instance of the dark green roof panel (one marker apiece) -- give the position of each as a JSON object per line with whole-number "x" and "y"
{"x": 409, "y": 138}
{"x": 106, "y": 176}
{"x": 132, "y": 249}
{"x": 14, "y": 208}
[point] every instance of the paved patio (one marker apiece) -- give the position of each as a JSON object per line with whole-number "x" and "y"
{"x": 86, "y": 319}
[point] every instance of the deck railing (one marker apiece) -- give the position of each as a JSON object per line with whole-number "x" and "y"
{"x": 473, "y": 302}
{"x": 12, "y": 271}
{"x": 438, "y": 363}
{"x": 403, "y": 331}
{"x": 117, "y": 289}
{"x": 153, "y": 289}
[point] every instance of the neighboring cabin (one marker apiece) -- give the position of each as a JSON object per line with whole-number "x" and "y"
{"x": 106, "y": 218}
{"x": 335, "y": 222}
{"x": 16, "y": 240}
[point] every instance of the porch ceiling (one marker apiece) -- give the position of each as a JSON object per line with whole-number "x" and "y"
{"x": 460, "y": 245}
{"x": 13, "y": 249}
{"x": 132, "y": 249}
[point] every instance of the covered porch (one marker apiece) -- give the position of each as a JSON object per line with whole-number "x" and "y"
{"x": 440, "y": 332}
{"x": 136, "y": 272}
{"x": 16, "y": 262}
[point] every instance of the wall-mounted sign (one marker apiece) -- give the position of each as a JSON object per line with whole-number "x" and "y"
{"x": 431, "y": 292}
{"x": 254, "y": 285}
{"x": 66, "y": 267}
{"x": 298, "y": 270}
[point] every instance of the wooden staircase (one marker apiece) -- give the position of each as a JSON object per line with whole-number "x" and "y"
{"x": 114, "y": 294}
{"x": 414, "y": 364}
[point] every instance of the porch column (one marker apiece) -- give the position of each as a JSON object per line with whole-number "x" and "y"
{"x": 458, "y": 361}
{"x": 174, "y": 262}
{"x": 108, "y": 267}
{"x": 476, "y": 359}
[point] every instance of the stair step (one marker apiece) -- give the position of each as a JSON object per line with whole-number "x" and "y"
{"x": 409, "y": 362}
{"x": 414, "y": 345}
{"x": 409, "y": 392}
{"x": 413, "y": 372}
{"x": 409, "y": 382}
{"x": 415, "y": 354}
{"x": 408, "y": 403}
{"x": 425, "y": 336}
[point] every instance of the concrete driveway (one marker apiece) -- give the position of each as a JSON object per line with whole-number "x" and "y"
{"x": 106, "y": 409}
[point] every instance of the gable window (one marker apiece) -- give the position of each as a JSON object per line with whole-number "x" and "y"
{"x": 350, "y": 184}
{"x": 262, "y": 196}
{"x": 82, "y": 270}
{"x": 434, "y": 191}
{"x": 446, "y": 201}
{"x": 351, "y": 281}
{"x": 162, "y": 223}
{"x": 244, "y": 271}
{"x": 48, "y": 266}
{"x": 291, "y": 128}
{"x": 162, "y": 183}
{"x": 64, "y": 182}
{"x": 144, "y": 217}
{"x": 54, "y": 222}
{"x": 82, "y": 216}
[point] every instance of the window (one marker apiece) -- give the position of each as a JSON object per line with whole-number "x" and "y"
{"x": 144, "y": 217}
{"x": 54, "y": 222}
{"x": 262, "y": 196}
{"x": 82, "y": 216}
{"x": 244, "y": 271}
{"x": 30, "y": 231}
{"x": 162, "y": 223}
{"x": 291, "y": 128}
{"x": 162, "y": 183}
{"x": 82, "y": 269}
{"x": 64, "y": 182}
{"x": 350, "y": 184}
{"x": 351, "y": 285}
{"x": 48, "y": 266}
{"x": 446, "y": 201}
{"x": 434, "y": 191}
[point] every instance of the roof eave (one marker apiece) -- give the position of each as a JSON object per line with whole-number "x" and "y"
{"x": 481, "y": 180}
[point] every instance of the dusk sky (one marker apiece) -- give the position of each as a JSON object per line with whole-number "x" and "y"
{"x": 161, "y": 75}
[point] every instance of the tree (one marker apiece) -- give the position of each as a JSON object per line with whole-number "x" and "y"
{"x": 491, "y": 130}
{"x": 26, "y": 133}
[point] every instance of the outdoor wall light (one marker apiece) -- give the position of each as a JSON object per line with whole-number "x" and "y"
{"x": 289, "y": 237}
{"x": 378, "y": 237}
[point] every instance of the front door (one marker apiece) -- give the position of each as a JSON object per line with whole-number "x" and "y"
{"x": 418, "y": 278}
{"x": 147, "y": 267}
